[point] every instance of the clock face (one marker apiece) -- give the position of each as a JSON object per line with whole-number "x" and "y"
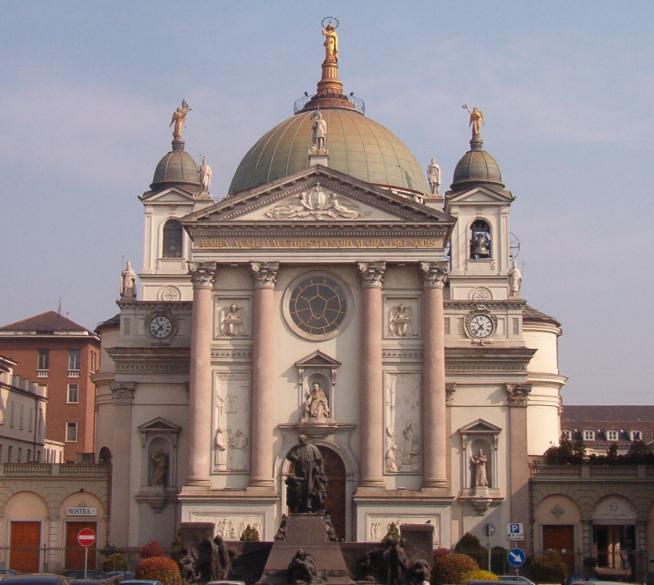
{"x": 161, "y": 327}
{"x": 480, "y": 326}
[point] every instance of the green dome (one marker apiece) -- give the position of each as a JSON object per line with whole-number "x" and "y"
{"x": 177, "y": 167}
{"x": 476, "y": 167}
{"x": 358, "y": 146}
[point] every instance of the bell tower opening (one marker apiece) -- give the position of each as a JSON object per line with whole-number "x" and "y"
{"x": 480, "y": 240}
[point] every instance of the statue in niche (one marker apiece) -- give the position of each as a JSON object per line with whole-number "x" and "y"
{"x": 206, "y": 173}
{"x": 179, "y": 121}
{"x": 307, "y": 482}
{"x": 515, "y": 280}
{"x": 434, "y": 176}
{"x": 128, "y": 282}
{"x": 302, "y": 569}
{"x": 221, "y": 558}
{"x": 232, "y": 322}
{"x": 479, "y": 462}
{"x": 400, "y": 320}
{"x": 318, "y": 132}
{"x": 316, "y": 404}
{"x": 160, "y": 463}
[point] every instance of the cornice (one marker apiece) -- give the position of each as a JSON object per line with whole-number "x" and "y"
{"x": 219, "y": 355}
{"x": 300, "y": 229}
{"x": 471, "y": 305}
{"x": 487, "y": 359}
{"x": 150, "y": 305}
{"x": 151, "y": 360}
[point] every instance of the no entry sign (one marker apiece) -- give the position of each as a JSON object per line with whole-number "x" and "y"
{"x": 86, "y": 537}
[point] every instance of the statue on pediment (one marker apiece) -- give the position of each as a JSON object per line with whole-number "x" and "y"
{"x": 206, "y": 174}
{"x": 434, "y": 176}
{"x": 128, "y": 282}
{"x": 318, "y": 132}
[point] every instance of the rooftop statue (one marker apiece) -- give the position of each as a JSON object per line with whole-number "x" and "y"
{"x": 179, "y": 121}
{"x": 318, "y": 132}
{"x": 331, "y": 40}
{"x": 206, "y": 173}
{"x": 128, "y": 282}
{"x": 476, "y": 120}
{"x": 434, "y": 176}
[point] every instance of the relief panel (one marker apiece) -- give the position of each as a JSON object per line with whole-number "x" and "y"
{"x": 232, "y": 318}
{"x": 402, "y": 428}
{"x": 401, "y": 317}
{"x": 231, "y": 421}
{"x": 377, "y": 524}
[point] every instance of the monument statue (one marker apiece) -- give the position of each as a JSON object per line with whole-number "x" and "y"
{"x": 221, "y": 558}
{"x": 394, "y": 556}
{"x": 479, "y": 462}
{"x": 515, "y": 280}
{"x": 316, "y": 404}
{"x": 205, "y": 563}
{"x": 434, "y": 176}
{"x": 160, "y": 468}
{"x": 179, "y": 121}
{"x": 302, "y": 569}
{"x": 128, "y": 282}
{"x": 476, "y": 120}
{"x": 205, "y": 175}
{"x": 318, "y": 132}
{"x": 400, "y": 320}
{"x": 307, "y": 482}
{"x": 331, "y": 43}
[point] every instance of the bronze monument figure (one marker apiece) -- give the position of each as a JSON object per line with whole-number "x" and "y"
{"x": 307, "y": 482}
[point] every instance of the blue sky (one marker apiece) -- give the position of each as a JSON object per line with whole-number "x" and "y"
{"x": 566, "y": 87}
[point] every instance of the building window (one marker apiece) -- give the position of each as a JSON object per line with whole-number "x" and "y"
{"x": 589, "y": 435}
{"x": 611, "y": 435}
{"x": 43, "y": 363}
{"x": 93, "y": 359}
{"x": 30, "y": 421}
{"x": 71, "y": 432}
{"x": 173, "y": 238}
{"x": 29, "y": 456}
{"x": 11, "y": 415}
{"x": 566, "y": 435}
{"x": 636, "y": 436}
{"x": 21, "y": 418}
{"x": 1, "y": 453}
{"x": 20, "y": 454}
{"x": 73, "y": 363}
{"x": 73, "y": 394}
{"x": 9, "y": 450}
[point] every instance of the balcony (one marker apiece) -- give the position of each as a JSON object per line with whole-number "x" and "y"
{"x": 44, "y": 470}
{"x": 73, "y": 373}
{"x": 596, "y": 472}
{"x": 42, "y": 373}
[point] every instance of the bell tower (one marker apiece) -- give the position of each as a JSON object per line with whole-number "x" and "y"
{"x": 480, "y": 255}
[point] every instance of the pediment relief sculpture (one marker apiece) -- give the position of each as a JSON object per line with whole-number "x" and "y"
{"x": 316, "y": 203}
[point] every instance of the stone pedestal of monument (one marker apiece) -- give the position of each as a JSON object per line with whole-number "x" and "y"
{"x": 309, "y": 533}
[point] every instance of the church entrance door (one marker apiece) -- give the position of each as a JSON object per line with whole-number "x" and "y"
{"x": 335, "y": 501}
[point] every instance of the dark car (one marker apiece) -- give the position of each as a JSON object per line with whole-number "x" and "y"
{"x": 36, "y": 579}
{"x": 77, "y": 575}
{"x": 4, "y": 573}
{"x": 140, "y": 582}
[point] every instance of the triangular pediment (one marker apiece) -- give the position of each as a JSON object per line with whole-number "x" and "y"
{"x": 481, "y": 195}
{"x": 478, "y": 427}
{"x": 171, "y": 195}
{"x": 318, "y": 358}
{"x": 319, "y": 195}
{"x": 159, "y": 425}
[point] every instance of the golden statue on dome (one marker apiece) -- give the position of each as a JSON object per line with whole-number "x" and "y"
{"x": 329, "y": 25}
{"x": 179, "y": 121}
{"x": 476, "y": 120}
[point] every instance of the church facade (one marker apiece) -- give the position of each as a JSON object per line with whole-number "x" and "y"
{"x": 332, "y": 293}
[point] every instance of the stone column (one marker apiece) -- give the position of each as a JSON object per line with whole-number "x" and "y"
{"x": 262, "y": 398}
{"x": 203, "y": 276}
{"x": 371, "y": 387}
{"x": 434, "y": 423}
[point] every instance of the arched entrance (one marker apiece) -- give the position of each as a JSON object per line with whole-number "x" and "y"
{"x": 335, "y": 502}
{"x": 614, "y": 538}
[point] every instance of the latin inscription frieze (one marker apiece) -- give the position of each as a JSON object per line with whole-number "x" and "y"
{"x": 315, "y": 243}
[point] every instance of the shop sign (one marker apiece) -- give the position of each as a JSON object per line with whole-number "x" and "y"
{"x": 81, "y": 511}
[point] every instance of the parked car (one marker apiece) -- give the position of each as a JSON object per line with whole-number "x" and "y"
{"x": 120, "y": 575}
{"x": 4, "y": 573}
{"x": 76, "y": 574}
{"x": 226, "y": 583}
{"x": 36, "y": 579}
{"x": 140, "y": 582}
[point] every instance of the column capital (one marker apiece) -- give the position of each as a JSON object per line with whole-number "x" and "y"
{"x": 517, "y": 394}
{"x": 264, "y": 274}
{"x": 203, "y": 274}
{"x": 371, "y": 274}
{"x": 434, "y": 274}
{"x": 122, "y": 392}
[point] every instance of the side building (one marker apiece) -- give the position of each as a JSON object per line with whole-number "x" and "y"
{"x": 61, "y": 355}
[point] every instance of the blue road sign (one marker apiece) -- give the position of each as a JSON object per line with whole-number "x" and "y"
{"x": 516, "y": 557}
